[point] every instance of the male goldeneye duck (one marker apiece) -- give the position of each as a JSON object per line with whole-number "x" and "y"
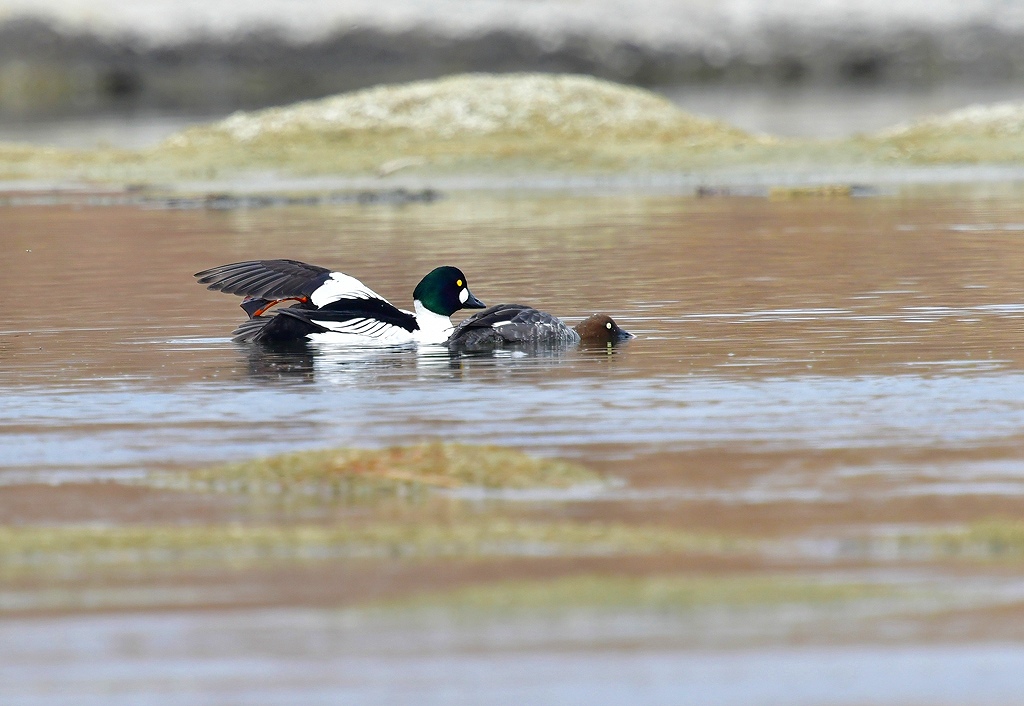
{"x": 332, "y": 306}
{"x": 516, "y": 324}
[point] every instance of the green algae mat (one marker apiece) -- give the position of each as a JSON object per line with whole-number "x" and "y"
{"x": 398, "y": 470}
{"x": 83, "y": 549}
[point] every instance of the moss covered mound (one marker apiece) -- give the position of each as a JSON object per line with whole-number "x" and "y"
{"x": 473, "y": 105}
{"x": 398, "y": 470}
{"x": 979, "y": 133}
{"x": 459, "y": 120}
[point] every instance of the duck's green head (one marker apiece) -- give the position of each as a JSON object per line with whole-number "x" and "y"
{"x": 444, "y": 291}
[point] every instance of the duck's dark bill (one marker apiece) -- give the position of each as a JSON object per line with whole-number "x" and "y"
{"x": 473, "y": 303}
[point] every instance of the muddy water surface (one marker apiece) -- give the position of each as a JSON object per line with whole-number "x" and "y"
{"x": 822, "y": 373}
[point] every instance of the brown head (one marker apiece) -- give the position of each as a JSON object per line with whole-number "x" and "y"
{"x": 600, "y": 330}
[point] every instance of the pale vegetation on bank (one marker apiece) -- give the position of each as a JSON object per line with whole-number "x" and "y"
{"x": 508, "y": 124}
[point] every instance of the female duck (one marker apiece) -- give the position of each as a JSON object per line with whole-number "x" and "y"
{"x": 334, "y": 307}
{"x": 518, "y": 325}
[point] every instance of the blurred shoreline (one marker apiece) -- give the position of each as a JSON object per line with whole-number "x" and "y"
{"x": 60, "y": 58}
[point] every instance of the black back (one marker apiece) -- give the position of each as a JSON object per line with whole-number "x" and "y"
{"x": 516, "y": 324}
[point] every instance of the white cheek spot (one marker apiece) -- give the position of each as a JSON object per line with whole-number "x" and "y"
{"x": 463, "y": 295}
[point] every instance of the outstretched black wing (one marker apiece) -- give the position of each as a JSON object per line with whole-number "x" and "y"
{"x": 270, "y": 279}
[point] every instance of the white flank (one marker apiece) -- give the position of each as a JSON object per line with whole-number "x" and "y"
{"x": 434, "y": 328}
{"x": 342, "y": 286}
{"x": 362, "y": 333}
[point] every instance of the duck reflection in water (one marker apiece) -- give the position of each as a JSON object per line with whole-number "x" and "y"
{"x": 308, "y": 361}
{"x": 302, "y": 361}
{"x": 294, "y": 362}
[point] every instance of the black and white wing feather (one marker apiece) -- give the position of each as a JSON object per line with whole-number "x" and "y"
{"x": 373, "y": 317}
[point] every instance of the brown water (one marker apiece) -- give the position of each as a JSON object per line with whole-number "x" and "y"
{"x": 807, "y": 370}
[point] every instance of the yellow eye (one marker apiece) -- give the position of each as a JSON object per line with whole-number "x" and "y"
{"x": 608, "y": 325}
{"x": 458, "y": 283}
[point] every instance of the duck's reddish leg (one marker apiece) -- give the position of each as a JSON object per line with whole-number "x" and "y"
{"x": 256, "y": 306}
